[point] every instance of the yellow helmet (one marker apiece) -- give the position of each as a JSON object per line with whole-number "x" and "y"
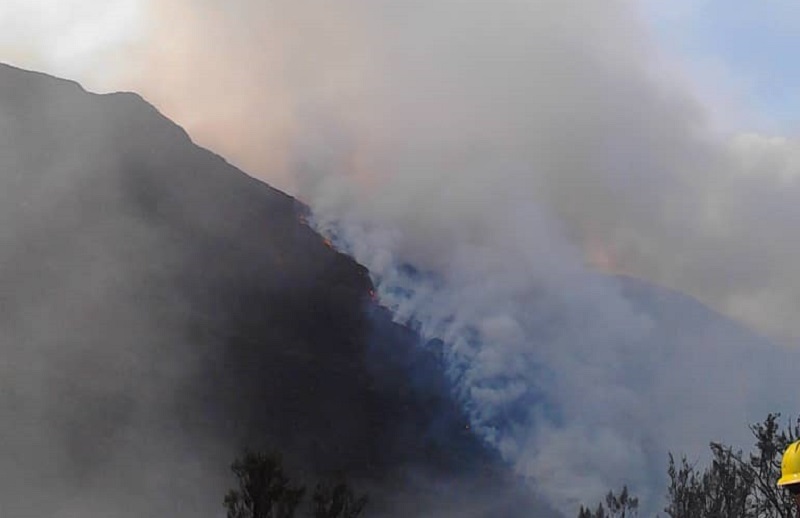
{"x": 790, "y": 465}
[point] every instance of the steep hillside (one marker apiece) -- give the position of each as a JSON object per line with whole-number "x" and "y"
{"x": 162, "y": 309}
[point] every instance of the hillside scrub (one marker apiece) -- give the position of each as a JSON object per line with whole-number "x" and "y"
{"x": 733, "y": 485}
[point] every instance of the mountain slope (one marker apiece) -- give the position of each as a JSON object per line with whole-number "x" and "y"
{"x": 161, "y": 309}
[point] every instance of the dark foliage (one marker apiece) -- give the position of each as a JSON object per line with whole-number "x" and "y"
{"x": 336, "y": 500}
{"x": 265, "y": 491}
{"x": 616, "y": 506}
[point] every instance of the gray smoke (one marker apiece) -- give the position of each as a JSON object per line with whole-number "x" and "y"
{"x": 483, "y": 160}
{"x": 503, "y": 150}
{"x": 95, "y": 358}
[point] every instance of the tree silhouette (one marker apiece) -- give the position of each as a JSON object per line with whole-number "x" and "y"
{"x": 622, "y": 506}
{"x": 733, "y": 485}
{"x": 725, "y": 488}
{"x": 264, "y": 490}
{"x": 336, "y": 501}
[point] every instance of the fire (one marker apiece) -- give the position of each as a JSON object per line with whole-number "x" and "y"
{"x": 601, "y": 257}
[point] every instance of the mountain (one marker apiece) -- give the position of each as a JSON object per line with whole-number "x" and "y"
{"x": 163, "y": 310}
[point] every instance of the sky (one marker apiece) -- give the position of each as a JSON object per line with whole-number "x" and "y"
{"x": 744, "y": 50}
{"x": 508, "y": 151}
{"x": 738, "y": 52}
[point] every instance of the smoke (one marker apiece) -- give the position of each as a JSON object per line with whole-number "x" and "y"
{"x": 74, "y": 38}
{"x": 92, "y": 381}
{"x": 482, "y": 159}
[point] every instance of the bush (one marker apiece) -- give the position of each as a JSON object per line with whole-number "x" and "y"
{"x": 734, "y": 485}
{"x": 266, "y": 492}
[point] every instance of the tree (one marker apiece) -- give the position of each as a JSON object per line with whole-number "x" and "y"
{"x": 685, "y": 492}
{"x": 336, "y": 501}
{"x": 264, "y": 490}
{"x": 622, "y": 506}
{"x": 733, "y": 485}
{"x": 725, "y": 488}
{"x": 765, "y": 464}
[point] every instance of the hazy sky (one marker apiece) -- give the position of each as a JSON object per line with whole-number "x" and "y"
{"x": 737, "y": 50}
{"x": 501, "y": 146}
{"x": 743, "y": 48}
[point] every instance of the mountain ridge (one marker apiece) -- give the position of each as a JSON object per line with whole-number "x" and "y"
{"x": 163, "y": 309}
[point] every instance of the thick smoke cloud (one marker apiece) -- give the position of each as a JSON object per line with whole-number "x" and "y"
{"x": 564, "y": 103}
{"x": 476, "y": 157}
{"x": 83, "y": 39}
{"x": 497, "y": 148}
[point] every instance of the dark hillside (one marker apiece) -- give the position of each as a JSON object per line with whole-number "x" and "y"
{"x": 162, "y": 309}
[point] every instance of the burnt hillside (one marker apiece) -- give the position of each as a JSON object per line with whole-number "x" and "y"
{"x": 162, "y": 309}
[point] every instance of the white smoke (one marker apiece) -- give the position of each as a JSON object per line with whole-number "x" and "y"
{"x": 579, "y": 384}
{"x": 536, "y": 347}
{"x": 474, "y": 156}
{"x": 477, "y": 183}
{"x": 72, "y": 38}
{"x": 571, "y": 380}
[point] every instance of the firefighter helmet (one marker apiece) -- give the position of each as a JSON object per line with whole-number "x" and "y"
{"x": 790, "y": 465}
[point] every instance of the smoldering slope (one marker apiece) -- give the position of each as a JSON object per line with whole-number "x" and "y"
{"x": 473, "y": 155}
{"x": 124, "y": 386}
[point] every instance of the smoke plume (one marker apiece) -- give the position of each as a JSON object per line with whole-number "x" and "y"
{"x": 484, "y": 160}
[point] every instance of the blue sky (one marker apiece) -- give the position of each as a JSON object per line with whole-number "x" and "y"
{"x": 748, "y": 47}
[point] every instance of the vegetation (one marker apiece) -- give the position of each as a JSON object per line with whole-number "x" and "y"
{"x": 622, "y": 506}
{"x": 265, "y": 491}
{"x": 337, "y": 501}
{"x": 733, "y": 485}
